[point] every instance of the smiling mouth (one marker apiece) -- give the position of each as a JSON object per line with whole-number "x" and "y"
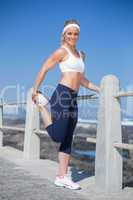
{"x": 73, "y": 40}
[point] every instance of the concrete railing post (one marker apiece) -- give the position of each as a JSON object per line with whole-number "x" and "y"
{"x": 1, "y": 122}
{"x": 31, "y": 139}
{"x": 108, "y": 165}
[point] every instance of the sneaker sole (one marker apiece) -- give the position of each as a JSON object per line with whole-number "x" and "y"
{"x": 66, "y": 186}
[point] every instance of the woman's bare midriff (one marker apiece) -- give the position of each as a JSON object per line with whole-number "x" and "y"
{"x": 71, "y": 79}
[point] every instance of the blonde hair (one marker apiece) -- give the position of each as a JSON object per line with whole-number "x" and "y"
{"x": 71, "y": 21}
{"x": 83, "y": 55}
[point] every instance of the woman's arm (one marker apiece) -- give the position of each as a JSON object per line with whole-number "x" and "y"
{"x": 55, "y": 58}
{"x": 87, "y": 84}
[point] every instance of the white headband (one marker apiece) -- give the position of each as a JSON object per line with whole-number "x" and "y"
{"x": 69, "y": 26}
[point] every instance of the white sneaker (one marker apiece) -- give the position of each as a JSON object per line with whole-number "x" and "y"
{"x": 67, "y": 183}
{"x": 41, "y": 100}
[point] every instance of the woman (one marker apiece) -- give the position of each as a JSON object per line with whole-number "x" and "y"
{"x": 61, "y": 123}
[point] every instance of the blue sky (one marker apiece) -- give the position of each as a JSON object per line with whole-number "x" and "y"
{"x": 30, "y": 32}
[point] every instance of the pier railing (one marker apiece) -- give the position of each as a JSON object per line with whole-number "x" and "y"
{"x": 109, "y": 146}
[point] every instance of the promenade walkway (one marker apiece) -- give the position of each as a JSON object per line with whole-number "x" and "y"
{"x": 33, "y": 180}
{"x": 18, "y": 184}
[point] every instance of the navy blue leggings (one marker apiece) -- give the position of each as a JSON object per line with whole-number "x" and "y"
{"x": 64, "y": 112}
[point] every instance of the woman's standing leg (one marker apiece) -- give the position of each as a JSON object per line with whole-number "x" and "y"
{"x": 62, "y": 179}
{"x": 65, "y": 148}
{"x": 64, "y": 159}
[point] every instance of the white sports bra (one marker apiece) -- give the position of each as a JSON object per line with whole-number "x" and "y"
{"x": 72, "y": 63}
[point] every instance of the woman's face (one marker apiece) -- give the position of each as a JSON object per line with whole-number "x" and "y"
{"x": 71, "y": 36}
